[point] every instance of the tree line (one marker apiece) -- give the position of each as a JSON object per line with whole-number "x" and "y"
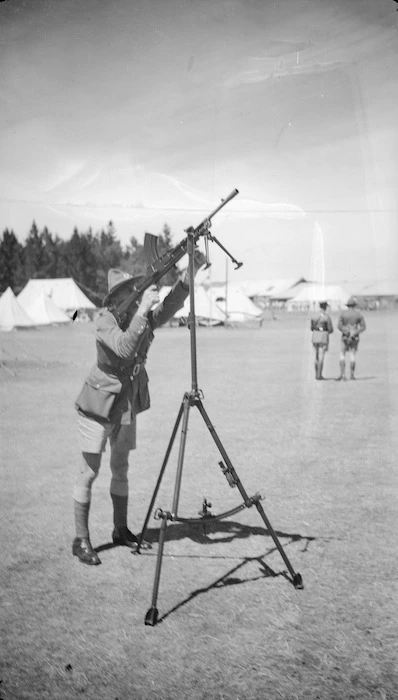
{"x": 86, "y": 257}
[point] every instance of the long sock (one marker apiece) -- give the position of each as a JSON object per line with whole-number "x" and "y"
{"x": 352, "y": 368}
{"x": 342, "y": 368}
{"x": 81, "y": 518}
{"x": 119, "y": 510}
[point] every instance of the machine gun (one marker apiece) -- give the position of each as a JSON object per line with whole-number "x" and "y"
{"x": 158, "y": 266}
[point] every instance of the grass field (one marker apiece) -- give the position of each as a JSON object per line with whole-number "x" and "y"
{"x": 232, "y": 626}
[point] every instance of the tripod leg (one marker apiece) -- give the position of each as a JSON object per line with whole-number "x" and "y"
{"x": 155, "y": 493}
{"x": 180, "y": 462}
{"x": 152, "y": 614}
{"x": 297, "y": 580}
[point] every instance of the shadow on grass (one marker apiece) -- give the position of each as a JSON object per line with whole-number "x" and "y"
{"x": 214, "y": 531}
{"x": 357, "y": 379}
{"x": 232, "y": 530}
{"x": 199, "y": 532}
{"x": 203, "y": 533}
{"x": 230, "y": 579}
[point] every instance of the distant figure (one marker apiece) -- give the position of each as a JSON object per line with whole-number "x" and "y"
{"x": 351, "y": 323}
{"x": 321, "y": 326}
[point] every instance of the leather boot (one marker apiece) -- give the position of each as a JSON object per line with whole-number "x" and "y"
{"x": 124, "y": 537}
{"x": 83, "y": 550}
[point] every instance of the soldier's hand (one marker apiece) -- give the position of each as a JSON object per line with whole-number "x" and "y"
{"x": 149, "y": 298}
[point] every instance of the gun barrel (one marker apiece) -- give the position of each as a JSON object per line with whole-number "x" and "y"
{"x": 220, "y": 206}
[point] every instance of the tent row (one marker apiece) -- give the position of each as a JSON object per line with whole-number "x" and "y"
{"x": 54, "y": 301}
{"x": 300, "y": 294}
{"x": 294, "y": 294}
{"x": 218, "y": 305}
{"x": 42, "y": 312}
{"x": 42, "y": 302}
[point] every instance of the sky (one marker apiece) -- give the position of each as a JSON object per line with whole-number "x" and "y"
{"x": 147, "y": 112}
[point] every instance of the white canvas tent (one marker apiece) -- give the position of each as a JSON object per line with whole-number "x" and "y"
{"x": 44, "y": 312}
{"x": 282, "y": 295}
{"x": 381, "y": 288}
{"x": 64, "y": 292}
{"x": 264, "y": 289}
{"x": 235, "y": 305}
{"x": 309, "y": 296}
{"x": 12, "y": 315}
{"x": 206, "y": 310}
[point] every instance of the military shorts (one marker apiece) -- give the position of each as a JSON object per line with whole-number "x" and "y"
{"x": 93, "y": 436}
{"x": 348, "y": 343}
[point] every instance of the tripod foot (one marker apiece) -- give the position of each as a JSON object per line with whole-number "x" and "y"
{"x": 151, "y": 617}
{"x": 298, "y": 581}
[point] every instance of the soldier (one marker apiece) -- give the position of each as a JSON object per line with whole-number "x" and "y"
{"x": 114, "y": 392}
{"x": 321, "y": 326}
{"x": 351, "y": 323}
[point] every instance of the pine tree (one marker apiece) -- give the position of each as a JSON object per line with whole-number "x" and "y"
{"x": 33, "y": 253}
{"x": 11, "y": 264}
{"x": 49, "y": 254}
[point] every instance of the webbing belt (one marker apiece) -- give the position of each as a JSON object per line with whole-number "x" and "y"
{"x": 130, "y": 371}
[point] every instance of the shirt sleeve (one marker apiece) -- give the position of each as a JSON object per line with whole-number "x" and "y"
{"x": 341, "y": 324}
{"x": 330, "y": 325}
{"x": 170, "y": 305}
{"x": 123, "y": 343}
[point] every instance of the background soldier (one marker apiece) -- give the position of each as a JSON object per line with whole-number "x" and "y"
{"x": 321, "y": 326}
{"x": 351, "y": 323}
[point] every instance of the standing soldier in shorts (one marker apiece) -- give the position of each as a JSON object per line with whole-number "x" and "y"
{"x": 115, "y": 390}
{"x": 351, "y": 323}
{"x": 322, "y": 327}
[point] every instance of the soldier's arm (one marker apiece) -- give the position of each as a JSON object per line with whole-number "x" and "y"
{"x": 122, "y": 343}
{"x": 176, "y": 297}
{"x": 170, "y": 305}
{"x": 330, "y": 325}
{"x": 362, "y": 325}
{"x": 340, "y": 324}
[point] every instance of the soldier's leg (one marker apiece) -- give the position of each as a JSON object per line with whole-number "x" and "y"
{"x": 321, "y": 361}
{"x": 316, "y": 361}
{"x": 119, "y": 488}
{"x": 352, "y": 363}
{"x": 87, "y": 473}
{"x": 92, "y": 438}
{"x": 342, "y": 361}
{"x": 121, "y": 443}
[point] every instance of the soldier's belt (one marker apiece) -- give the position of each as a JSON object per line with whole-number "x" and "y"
{"x": 130, "y": 371}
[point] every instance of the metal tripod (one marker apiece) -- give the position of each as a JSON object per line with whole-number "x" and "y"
{"x": 193, "y": 398}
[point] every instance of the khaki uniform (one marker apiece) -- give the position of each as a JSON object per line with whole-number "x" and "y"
{"x": 116, "y": 388}
{"x": 322, "y": 322}
{"x": 350, "y": 322}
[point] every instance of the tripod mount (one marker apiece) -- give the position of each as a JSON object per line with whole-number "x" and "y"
{"x": 193, "y": 399}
